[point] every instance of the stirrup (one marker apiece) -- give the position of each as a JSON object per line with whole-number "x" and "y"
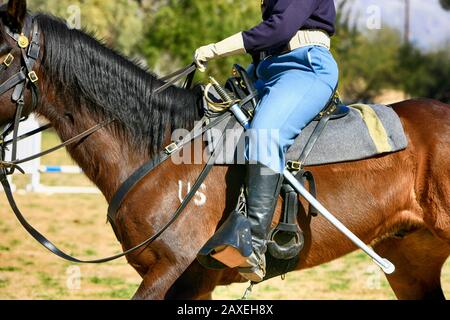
{"x": 256, "y": 271}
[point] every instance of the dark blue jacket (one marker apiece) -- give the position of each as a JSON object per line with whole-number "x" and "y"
{"x": 282, "y": 20}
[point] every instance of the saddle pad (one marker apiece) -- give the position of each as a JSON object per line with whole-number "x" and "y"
{"x": 368, "y": 130}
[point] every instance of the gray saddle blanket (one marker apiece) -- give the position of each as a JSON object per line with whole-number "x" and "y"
{"x": 368, "y": 130}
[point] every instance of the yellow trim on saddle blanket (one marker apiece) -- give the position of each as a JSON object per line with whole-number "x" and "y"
{"x": 376, "y": 129}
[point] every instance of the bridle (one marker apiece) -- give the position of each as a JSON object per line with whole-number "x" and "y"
{"x": 27, "y": 79}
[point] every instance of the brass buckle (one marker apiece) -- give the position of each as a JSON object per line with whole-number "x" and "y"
{"x": 23, "y": 41}
{"x": 8, "y": 60}
{"x": 332, "y": 109}
{"x": 171, "y": 148}
{"x": 33, "y": 76}
{"x": 294, "y": 165}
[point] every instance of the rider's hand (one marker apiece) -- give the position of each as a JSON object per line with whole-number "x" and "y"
{"x": 203, "y": 55}
{"x": 230, "y": 46}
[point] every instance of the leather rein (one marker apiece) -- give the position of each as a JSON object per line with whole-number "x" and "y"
{"x": 26, "y": 78}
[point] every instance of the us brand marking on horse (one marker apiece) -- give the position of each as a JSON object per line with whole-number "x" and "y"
{"x": 200, "y": 198}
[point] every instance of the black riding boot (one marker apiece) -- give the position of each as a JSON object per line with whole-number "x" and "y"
{"x": 263, "y": 188}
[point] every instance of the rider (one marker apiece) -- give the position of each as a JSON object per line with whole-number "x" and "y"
{"x": 296, "y": 76}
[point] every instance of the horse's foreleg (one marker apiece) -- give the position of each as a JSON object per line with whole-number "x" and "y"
{"x": 156, "y": 282}
{"x": 418, "y": 257}
{"x": 172, "y": 274}
{"x": 207, "y": 296}
{"x": 158, "y": 272}
{"x": 196, "y": 283}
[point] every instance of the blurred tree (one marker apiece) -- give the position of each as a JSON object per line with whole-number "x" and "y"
{"x": 425, "y": 74}
{"x": 166, "y": 33}
{"x": 369, "y": 64}
{"x": 181, "y": 26}
{"x": 367, "y": 61}
{"x": 120, "y": 22}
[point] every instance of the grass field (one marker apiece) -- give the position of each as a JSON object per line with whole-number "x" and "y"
{"x": 78, "y": 224}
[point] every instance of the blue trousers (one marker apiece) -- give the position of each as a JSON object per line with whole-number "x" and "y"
{"x": 294, "y": 88}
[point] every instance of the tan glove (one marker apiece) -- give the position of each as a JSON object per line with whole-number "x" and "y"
{"x": 227, "y": 47}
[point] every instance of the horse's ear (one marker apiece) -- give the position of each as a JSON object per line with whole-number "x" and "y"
{"x": 17, "y": 10}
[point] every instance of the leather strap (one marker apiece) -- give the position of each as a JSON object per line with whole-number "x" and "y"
{"x": 308, "y": 176}
{"x": 15, "y": 162}
{"x": 55, "y": 250}
{"x": 19, "y": 110}
{"x": 313, "y": 139}
{"x": 188, "y": 71}
{"x": 29, "y": 134}
{"x": 12, "y": 82}
{"x": 250, "y": 97}
{"x": 290, "y": 204}
{"x": 27, "y": 76}
{"x": 146, "y": 168}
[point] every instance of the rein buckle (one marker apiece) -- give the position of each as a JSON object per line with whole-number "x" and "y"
{"x": 10, "y": 165}
{"x": 171, "y": 148}
{"x": 294, "y": 166}
{"x": 8, "y": 60}
{"x": 33, "y": 76}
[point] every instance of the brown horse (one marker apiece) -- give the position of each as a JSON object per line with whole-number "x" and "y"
{"x": 397, "y": 202}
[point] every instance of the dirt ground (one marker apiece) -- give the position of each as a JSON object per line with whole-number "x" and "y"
{"x": 77, "y": 223}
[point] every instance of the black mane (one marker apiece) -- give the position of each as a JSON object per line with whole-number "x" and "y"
{"x": 110, "y": 85}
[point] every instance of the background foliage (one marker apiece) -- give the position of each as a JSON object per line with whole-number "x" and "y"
{"x": 165, "y": 33}
{"x": 118, "y": 22}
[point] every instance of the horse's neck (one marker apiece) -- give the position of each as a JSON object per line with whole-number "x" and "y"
{"x": 110, "y": 155}
{"x": 105, "y": 157}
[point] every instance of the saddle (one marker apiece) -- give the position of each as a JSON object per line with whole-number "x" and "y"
{"x": 231, "y": 244}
